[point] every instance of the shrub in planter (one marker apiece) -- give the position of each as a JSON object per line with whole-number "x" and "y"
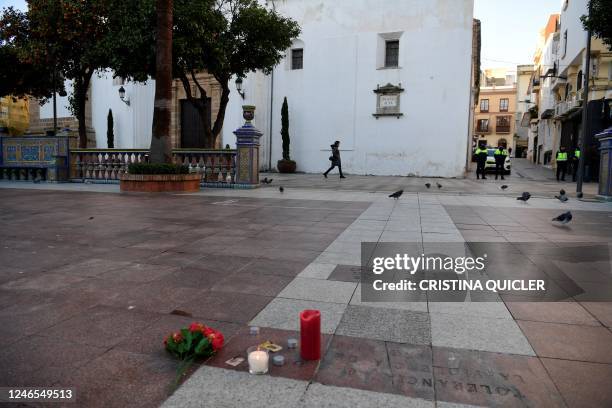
{"x": 286, "y": 165}
{"x": 157, "y": 168}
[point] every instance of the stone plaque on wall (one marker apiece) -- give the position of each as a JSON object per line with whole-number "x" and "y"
{"x": 388, "y": 100}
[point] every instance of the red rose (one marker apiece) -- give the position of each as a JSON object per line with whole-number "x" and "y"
{"x": 208, "y": 331}
{"x": 216, "y": 339}
{"x": 177, "y": 337}
{"x": 166, "y": 340}
{"x": 196, "y": 327}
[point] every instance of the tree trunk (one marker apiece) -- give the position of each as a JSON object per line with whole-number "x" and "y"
{"x": 216, "y": 130}
{"x": 161, "y": 148}
{"x": 81, "y": 85}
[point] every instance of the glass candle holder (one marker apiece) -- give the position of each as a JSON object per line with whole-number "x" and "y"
{"x": 258, "y": 359}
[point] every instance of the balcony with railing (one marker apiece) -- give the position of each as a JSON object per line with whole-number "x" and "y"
{"x": 502, "y": 128}
{"x": 564, "y": 108}
{"x": 217, "y": 167}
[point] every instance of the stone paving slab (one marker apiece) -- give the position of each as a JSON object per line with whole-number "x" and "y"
{"x": 395, "y": 325}
{"x": 324, "y": 396}
{"x": 284, "y": 314}
{"x": 319, "y": 290}
{"x": 492, "y": 379}
{"x": 569, "y": 342}
{"x": 217, "y": 387}
{"x": 478, "y": 333}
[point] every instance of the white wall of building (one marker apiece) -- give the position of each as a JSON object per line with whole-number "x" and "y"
{"x": 133, "y": 123}
{"x": 63, "y": 106}
{"x": 332, "y": 98}
{"x": 572, "y": 52}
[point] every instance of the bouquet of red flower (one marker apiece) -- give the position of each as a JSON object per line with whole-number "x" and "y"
{"x": 196, "y": 341}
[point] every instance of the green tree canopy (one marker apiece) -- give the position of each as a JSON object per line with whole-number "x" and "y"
{"x": 599, "y": 20}
{"x": 20, "y": 76}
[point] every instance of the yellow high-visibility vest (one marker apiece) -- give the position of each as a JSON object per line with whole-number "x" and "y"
{"x": 502, "y": 152}
{"x": 561, "y": 156}
{"x": 577, "y": 153}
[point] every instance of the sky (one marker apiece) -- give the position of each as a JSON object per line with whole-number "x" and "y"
{"x": 509, "y": 28}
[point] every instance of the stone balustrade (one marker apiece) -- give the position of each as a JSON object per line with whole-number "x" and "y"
{"x": 106, "y": 165}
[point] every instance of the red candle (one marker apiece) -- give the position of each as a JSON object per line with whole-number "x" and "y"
{"x": 310, "y": 334}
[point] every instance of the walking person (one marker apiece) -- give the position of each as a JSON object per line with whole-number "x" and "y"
{"x": 500, "y": 159}
{"x": 575, "y": 160}
{"x": 561, "y": 163}
{"x": 481, "y": 160}
{"x": 335, "y": 159}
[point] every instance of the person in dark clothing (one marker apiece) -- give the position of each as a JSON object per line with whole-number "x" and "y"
{"x": 481, "y": 159}
{"x": 575, "y": 161}
{"x": 500, "y": 158}
{"x": 335, "y": 159}
{"x": 561, "y": 163}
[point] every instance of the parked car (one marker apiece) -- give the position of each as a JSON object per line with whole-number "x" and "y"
{"x": 490, "y": 164}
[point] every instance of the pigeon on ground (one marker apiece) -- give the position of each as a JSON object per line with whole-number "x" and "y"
{"x": 439, "y": 185}
{"x": 524, "y": 197}
{"x": 397, "y": 194}
{"x": 563, "y": 218}
{"x": 561, "y": 197}
{"x": 91, "y": 218}
{"x": 504, "y": 187}
{"x": 281, "y": 189}
{"x": 266, "y": 181}
{"x": 579, "y": 195}
{"x": 428, "y": 185}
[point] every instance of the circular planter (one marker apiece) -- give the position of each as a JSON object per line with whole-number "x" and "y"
{"x": 286, "y": 166}
{"x": 156, "y": 183}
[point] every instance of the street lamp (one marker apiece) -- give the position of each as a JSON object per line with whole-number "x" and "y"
{"x": 239, "y": 87}
{"x": 122, "y": 96}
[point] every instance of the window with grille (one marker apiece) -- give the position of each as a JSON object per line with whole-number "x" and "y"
{"x": 503, "y": 124}
{"x": 392, "y": 54}
{"x": 297, "y": 58}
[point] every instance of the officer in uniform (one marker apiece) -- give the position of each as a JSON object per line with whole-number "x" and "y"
{"x": 500, "y": 158}
{"x": 561, "y": 163}
{"x": 575, "y": 160}
{"x": 481, "y": 159}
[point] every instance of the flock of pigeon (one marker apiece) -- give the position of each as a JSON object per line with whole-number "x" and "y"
{"x": 562, "y": 219}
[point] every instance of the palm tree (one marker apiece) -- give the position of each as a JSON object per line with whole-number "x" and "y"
{"x": 161, "y": 149}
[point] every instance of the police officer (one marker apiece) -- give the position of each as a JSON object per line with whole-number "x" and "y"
{"x": 500, "y": 158}
{"x": 575, "y": 160}
{"x": 481, "y": 159}
{"x": 561, "y": 163}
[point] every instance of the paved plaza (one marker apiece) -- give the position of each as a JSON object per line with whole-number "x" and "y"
{"x": 89, "y": 279}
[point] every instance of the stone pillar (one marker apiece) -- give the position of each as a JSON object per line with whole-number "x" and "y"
{"x": 605, "y": 169}
{"x": 247, "y": 149}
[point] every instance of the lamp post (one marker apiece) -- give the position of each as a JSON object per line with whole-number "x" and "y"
{"x": 122, "y": 96}
{"x": 585, "y": 113}
{"x": 239, "y": 87}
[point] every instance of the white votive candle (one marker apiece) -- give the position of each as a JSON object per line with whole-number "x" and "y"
{"x": 258, "y": 360}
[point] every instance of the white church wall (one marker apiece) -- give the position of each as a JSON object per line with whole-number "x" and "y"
{"x": 133, "y": 123}
{"x": 332, "y": 97}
